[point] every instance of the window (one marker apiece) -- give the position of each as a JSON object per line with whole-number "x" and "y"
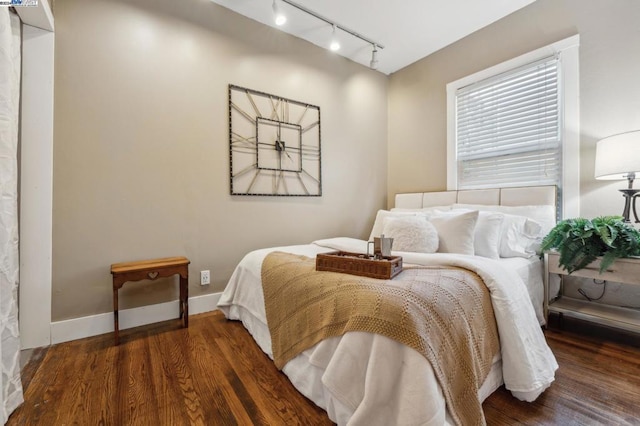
{"x": 508, "y": 129}
{"x": 515, "y": 124}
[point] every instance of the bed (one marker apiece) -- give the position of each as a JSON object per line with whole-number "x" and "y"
{"x": 365, "y": 378}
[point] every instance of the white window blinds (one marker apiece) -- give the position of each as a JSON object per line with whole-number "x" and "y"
{"x": 508, "y": 130}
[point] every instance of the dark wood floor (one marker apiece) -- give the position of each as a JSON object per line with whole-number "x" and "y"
{"x": 214, "y": 373}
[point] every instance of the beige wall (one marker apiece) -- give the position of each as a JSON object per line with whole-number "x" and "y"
{"x": 141, "y": 142}
{"x": 609, "y": 89}
{"x": 141, "y": 157}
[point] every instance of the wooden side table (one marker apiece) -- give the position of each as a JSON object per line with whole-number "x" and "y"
{"x": 624, "y": 271}
{"x": 151, "y": 270}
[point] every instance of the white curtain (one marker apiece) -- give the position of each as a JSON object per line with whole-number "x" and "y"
{"x": 10, "y": 385}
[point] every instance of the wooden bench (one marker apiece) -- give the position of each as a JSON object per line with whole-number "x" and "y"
{"x": 151, "y": 270}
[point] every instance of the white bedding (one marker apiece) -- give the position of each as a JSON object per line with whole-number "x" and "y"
{"x": 531, "y": 271}
{"x": 368, "y": 379}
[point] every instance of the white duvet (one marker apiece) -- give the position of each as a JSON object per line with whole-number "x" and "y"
{"x": 368, "y": 379}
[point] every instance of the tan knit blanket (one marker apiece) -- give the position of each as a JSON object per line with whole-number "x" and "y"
{"x": 444, "y": 314}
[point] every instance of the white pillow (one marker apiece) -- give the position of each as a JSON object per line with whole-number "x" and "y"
{"x": 545, "y": 215}
{"x": 382, "y": 214}
{"x": 523, "y": 229}
{"x": 455, "y": 231}
{"x": 411, "y": 233}
{"x": 521, "y": 236}
{"x": 487, "y": 235}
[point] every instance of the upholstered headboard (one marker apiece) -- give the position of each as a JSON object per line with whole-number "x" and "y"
{"x": 521, "y": 196}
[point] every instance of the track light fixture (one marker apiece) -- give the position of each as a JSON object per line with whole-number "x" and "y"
{"x": 335, "y": 45}
{"x": 279, "y": 17}
{"x": 374, "y": 58}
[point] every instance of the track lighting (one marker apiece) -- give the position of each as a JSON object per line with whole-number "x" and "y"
{"x": 374, "y": 58}
{"x": 279, "y": 17}
{"x": 335, "y": 44}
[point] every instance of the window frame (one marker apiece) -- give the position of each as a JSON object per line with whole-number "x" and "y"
{"x": 567, "y": 52}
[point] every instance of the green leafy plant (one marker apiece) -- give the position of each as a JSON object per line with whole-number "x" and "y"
{"x": 580, "y": 241}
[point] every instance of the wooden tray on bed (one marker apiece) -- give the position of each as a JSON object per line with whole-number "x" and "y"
{"x": 359, "y": 264}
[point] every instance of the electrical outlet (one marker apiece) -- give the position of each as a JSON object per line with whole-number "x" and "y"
{"x": 205, "y": 277}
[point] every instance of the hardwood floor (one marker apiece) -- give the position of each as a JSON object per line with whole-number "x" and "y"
{"x": 214, "y": 373}
{"x": 598, "y": 383}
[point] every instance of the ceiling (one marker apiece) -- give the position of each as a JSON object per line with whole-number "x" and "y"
{"x": 408, "y": 29}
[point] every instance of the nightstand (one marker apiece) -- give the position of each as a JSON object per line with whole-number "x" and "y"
{"x": 625, "y": 271}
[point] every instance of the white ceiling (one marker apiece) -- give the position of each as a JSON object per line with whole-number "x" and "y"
{"x": 408, "y": 29}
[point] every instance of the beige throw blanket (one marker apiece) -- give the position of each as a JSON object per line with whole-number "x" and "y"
{"x": 444, "y": 314}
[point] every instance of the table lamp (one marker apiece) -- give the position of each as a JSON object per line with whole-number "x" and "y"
{"x": 618, "y": 157}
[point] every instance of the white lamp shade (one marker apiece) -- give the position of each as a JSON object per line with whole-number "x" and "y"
{"x": 618, "y": 155}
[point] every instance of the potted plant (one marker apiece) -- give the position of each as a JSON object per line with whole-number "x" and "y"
{"x": 581, "y": 241}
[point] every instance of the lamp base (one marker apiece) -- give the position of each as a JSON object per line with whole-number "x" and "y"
{"x": 629, "y": 199}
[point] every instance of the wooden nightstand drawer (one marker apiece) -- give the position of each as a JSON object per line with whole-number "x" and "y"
{"x": 625, "y": 271}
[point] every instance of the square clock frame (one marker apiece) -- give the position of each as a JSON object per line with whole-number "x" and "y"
{"x": 274, "y": 145}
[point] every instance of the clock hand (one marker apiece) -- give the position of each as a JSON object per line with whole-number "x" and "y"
{"x": 280, "y": 146}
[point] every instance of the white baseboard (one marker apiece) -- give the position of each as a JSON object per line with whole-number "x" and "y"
{"x": 93, "y": 325}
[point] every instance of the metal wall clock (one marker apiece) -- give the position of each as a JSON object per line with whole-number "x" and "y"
{"x": 274, "y": 145}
